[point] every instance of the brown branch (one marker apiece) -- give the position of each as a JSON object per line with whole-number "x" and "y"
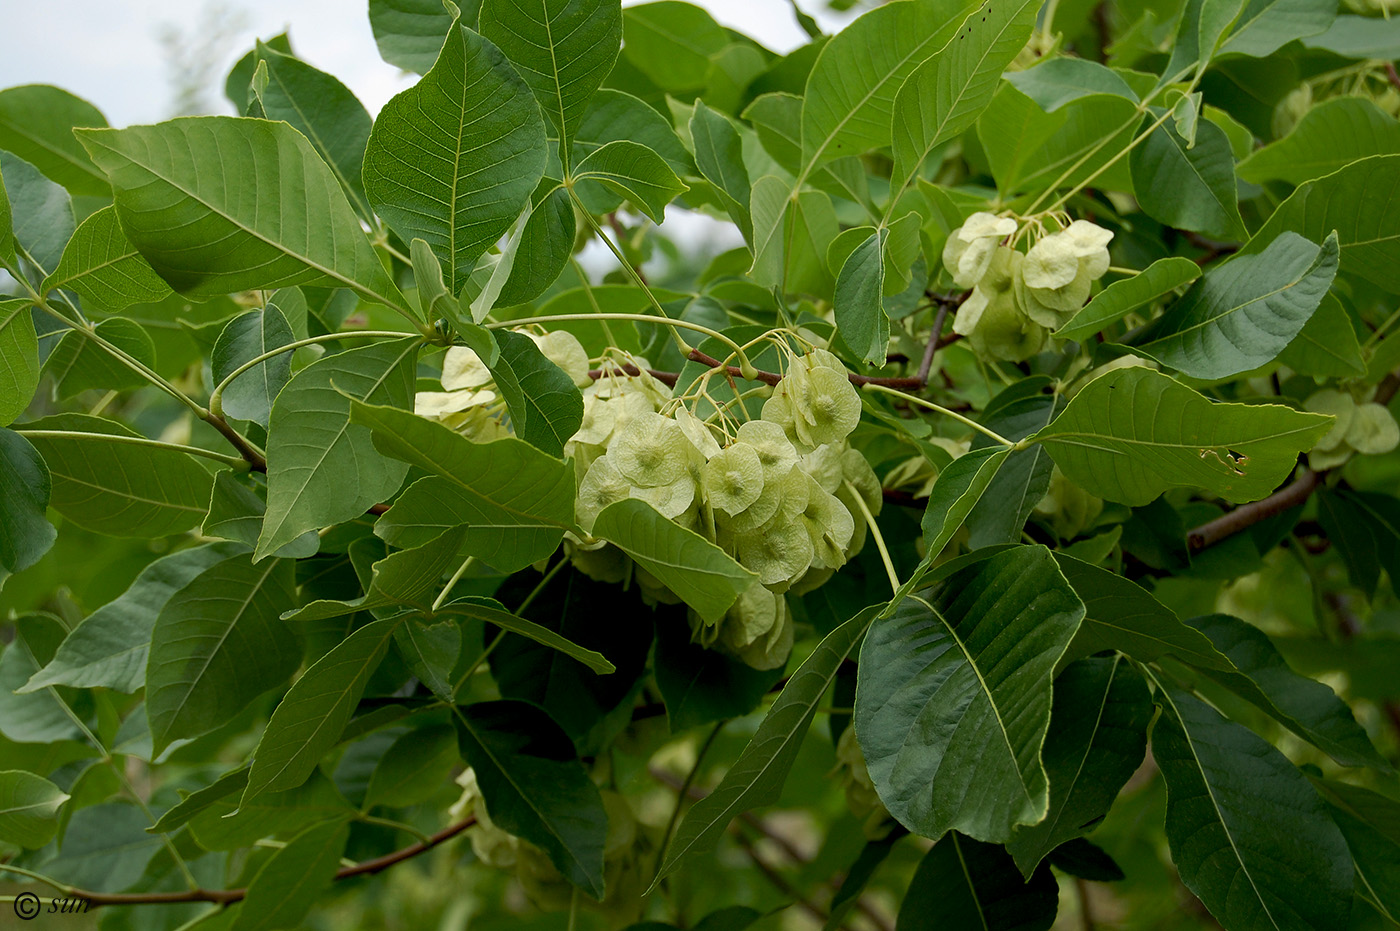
{"x": 1247, "y": 515}
{"x": 1213, "y": 249}
{"x": 778, "y": 881}
{"x": 1391, "y": 74}
{"x": 254, "y": 459}
{"x": 229, "y": 896}
{"x": 667, "y": 378}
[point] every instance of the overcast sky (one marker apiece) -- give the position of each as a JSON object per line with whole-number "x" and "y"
{"x": 110, "y": 52}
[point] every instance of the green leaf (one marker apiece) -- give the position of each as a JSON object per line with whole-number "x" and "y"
{"x": 634, "y": 171}
{"x": 544, "y": 248}
{"x": 414, "y": 768}
{"x": 672, "y": 43}
{"x": 1028, "y": 149}
{"x": 1327, "y": 344}
{"x": 79, "y": 363}
{"x": 410, "y": 33}
{"x": 42, "y": 717}
{"x": 1123, "y": 297}
{"x": 405, "y": 579}
{"x": 701, "y": 686}
{"x": 7, "y": 227}
{"x": 1096, "y": 741}
{"x": 454, "y": 159}
{"x": 1121, "y": 615}
{"x": 613, "y": 115}
{"x": 322, "y": 468}
{"x": 1248, "y": 834}
{"x": 323, "y": 110}
{"x": 1359, "y": 37}
{"x": 701, "y": 574}
{"x": 226, "y": 825}
{"x": 243, "y": 339}
{"x": 1132, "y": 433}
{"x": 850, "y": 94}
{"x": 269, "y": 213}
{"x": 104, "y": 268}
{"x": 1265, "y": 26}
{"x": 1370, "y": 822}
{"x": 859, "y": 875}
{"x": 1329, "y": 137}
{"x": 36, "y": 124}
{"x": 516, "y": 501}
{"x": 977, "y": 659}
{"x": 756, "y": 778}
{"x": 42, "y": 211}
{"x": 218, "y": 643}
{"x": 956, "y": 492}
{"x": 1057, "y": 81}
{"x": 1243, "y": 313}
{"x": 545, "y": 405}
{"x": 969, "y": 884}
{"x": 860, "y": 315}
{"x": 1354, "y": 201}
{"x": 1191, "y": 187}
{"x": 777, "y": 119}
{"x": 515, "y": 749}
{"x": 120, "y": 489}
{"x": 1000, "y": 514}
{"x": 309, "y": 719}
{"x": 25, "y": 533}
{"x": 19, "y": 358}
{"x": 431, "y": 652}
{"x": 1305, "y": 706}
{"x": 108, "y": 648}
{"x": 293, "y": 879}
{"x": 494, "y": 613}
{"x": 105, "y": 848}
{"x": 28, "y": 809}
{"x": 719, "y": 154}
{"x": 1365, "y": 526}
{"x": 563, "y": 50}
{"x": 944, "y": 96}
{"x": 236, "y": 511}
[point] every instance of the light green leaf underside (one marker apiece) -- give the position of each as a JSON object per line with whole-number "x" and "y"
{"x": 322, "y": 469}
{"x": 106, "y": 270}
{"x": 1133, "y": 433}
{"x": 219, "y": 204}
{"x": 453, "y": 159}
{"x": 516, "y": 501}
{"x": 700, "y": 573}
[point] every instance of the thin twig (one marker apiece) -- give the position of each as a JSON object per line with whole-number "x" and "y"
{"x": 229, "y": 896}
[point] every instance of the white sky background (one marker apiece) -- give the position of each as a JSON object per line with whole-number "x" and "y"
{"x": 109, "y": 52}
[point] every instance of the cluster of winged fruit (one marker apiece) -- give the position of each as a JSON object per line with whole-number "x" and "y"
{"x": 785, "y": 495}
{"x": 1018, "y": 298}
{"x": 1366, "y": 428}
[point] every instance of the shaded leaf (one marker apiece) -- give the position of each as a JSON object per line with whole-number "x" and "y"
{"x": 701, "y": 686}
{"x": 1329, "y": 137}
{"x": 719, "y": 155}
{"x": 243, "y": 339}
{"x": 969, "y": 884}
{"x": 515, "y": 748}
{"x": 42, "y": 212}
{"x": 860, "y": 315}
{"x": 25, "y": 532}
{"x": 309, "y": 719}
{"x": 1370, "y": 822}
{"x": 293, "y": 878}
{"x": 976, "y": 660}
{"x": 80, "y": 363}
{"x": 1327, "y": 344}
{"x": 1096, "y": 741}
{"x": 218, "y": 643}
{"x": 545, "y": 405}
{"x": 1248, "y": 834}
{"x": 28, "y": 809}
{"x": 407, "y": 578}
{"x": 494, "y": 613}
{"x": 1188, "y": 186}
